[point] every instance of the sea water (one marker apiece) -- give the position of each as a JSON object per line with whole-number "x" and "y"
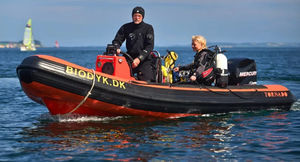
{"x": 29, "y": 133}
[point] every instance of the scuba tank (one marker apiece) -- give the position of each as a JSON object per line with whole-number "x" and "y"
{"x": 221, "y": 68}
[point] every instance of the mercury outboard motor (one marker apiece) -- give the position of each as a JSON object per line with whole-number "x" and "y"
{"x": 242, "y": 71}
{"x": 221, "y": 68}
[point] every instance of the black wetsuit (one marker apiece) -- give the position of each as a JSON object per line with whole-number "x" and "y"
{"x": 203, "y": 60}
{"x": 139, "y": 43}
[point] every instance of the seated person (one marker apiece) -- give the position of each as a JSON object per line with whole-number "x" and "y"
{"x": 201, "y": 70}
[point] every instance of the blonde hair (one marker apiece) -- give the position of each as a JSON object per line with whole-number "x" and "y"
{"x": 199, "y": 39}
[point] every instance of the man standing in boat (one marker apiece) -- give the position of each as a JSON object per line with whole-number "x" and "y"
{"x": 139, "y": 38}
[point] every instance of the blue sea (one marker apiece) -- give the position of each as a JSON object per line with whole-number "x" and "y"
{"x": 29, "y": 133}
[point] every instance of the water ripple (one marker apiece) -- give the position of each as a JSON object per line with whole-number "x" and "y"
{"x": 28, "y": 132}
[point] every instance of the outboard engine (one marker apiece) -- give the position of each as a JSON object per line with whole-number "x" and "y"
{"x": 221, "y": 68}
{"x": 242, "y": 71}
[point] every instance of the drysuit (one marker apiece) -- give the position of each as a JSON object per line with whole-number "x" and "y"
{"x": 139, "y": 43}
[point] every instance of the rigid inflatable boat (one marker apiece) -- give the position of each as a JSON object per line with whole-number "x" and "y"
{"x": 111, "y": 90}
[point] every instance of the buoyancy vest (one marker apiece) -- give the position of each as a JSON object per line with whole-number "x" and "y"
{"x": 169, "y": 63}
{"x": 204, "y": 67}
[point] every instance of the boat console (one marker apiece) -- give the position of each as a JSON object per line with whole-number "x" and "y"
{"x": 112, "y": 64}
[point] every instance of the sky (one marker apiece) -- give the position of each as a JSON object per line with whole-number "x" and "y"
{"x": 95, "y": 22}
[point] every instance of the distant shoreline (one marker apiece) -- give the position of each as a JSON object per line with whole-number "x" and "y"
{"x": 11, "y": 44}
{"x": 14, "y": 44}
{"x": 235, "y": 45}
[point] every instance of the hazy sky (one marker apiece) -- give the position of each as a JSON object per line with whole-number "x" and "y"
{"x": 95, "y": 22}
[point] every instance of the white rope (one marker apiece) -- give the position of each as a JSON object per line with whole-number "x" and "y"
{"x": 87, "y": 95}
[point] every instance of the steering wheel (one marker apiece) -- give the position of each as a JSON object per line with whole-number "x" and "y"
{"x": 129, "y": 64}
{"x": 126, "y": 54}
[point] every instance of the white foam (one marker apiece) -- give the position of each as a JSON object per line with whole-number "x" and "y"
{"x": 85, "y": 118}
{"x": 296, "y": 106}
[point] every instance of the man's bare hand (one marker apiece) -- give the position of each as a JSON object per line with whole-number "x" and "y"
{"x": 136, "y": 62}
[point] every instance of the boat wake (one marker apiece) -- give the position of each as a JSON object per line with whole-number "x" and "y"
{"x": 87, "y": 119}
{"x": 78, "y": 118}
{"x": 296, "y": 106}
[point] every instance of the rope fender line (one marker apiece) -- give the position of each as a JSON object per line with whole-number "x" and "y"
{"x": 87, "y": 95}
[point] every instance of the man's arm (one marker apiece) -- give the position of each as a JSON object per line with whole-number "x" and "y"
{"x": 119, "y": 38}
{"x": 148, "y": 44}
